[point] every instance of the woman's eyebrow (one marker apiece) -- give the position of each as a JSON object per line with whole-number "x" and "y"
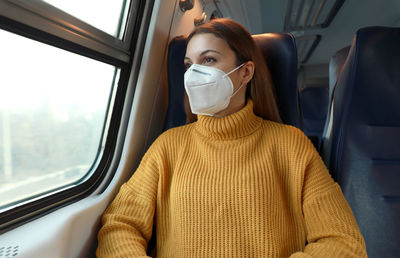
{"x": 210, "y": 50}
{"x": 205, "y": 52}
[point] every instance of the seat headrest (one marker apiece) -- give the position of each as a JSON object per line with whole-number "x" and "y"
{"x": 279, "y": 50}
{"x": 280, "y": 54}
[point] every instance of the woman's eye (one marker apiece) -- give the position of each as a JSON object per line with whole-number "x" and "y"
{"x": 209, "y": 60}
{"x": 187, "y": 65}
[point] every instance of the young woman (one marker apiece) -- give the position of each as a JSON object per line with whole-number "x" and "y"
{"x": 235, "y": 183}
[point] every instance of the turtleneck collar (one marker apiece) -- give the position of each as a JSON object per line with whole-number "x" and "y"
{"x": 236, "y": 125}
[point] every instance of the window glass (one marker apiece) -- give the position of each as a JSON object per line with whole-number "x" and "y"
{"x": 108, "y": 16}
{"x": 53, "y": 107}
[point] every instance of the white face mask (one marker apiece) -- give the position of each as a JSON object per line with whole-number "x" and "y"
{"x": 209, "y": 89}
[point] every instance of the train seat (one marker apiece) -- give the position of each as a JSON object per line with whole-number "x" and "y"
{"x": 335, "y": 67}
{"x": 176, "y": 115}
{"x": 280, "y": 54}
{"x": 314, "y": 108}
{"x": 365, "y": 136}
{"x": 279, "y": 50}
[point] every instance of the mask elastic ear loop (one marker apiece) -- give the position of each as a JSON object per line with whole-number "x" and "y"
{"x": 236, "y": 91}
{"x": 234, "y": 69}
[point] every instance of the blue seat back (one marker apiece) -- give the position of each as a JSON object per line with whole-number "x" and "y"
{"x": 280, "y": 54}
{"x": 365, "y": 136}
{"x": 314, "y": 107}
{"x": 335, "y": 66}
{"x": 176, "y": 115}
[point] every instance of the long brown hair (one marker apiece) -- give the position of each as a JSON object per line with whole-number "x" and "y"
{"x": 260, "y": 89}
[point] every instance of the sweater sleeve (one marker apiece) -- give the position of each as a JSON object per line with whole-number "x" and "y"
{"x": 128, "y": 221}
{"x": 332, "y": 230}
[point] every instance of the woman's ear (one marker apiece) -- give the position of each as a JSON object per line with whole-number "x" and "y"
{"x": 247, "y": 72}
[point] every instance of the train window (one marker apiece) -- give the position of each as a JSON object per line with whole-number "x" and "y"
{"x": 64, "y": 78}
{"x": 52, "y": 116}
{"x": 109, "y": 16}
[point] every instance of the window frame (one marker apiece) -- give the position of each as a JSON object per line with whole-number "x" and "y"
{"x": 39, "y": 21}
{"x": 47, "y": 18}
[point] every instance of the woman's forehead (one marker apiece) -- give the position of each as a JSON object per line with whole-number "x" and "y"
{"x": 200, "y": 43}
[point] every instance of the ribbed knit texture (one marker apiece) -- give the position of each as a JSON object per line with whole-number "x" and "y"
{"x": 237, "y": 186}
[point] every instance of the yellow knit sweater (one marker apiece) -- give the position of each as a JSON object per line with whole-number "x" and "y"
{"x": 237, "y": 186}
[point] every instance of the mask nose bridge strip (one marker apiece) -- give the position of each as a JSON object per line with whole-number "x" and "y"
{"x": 198, "y": 71}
